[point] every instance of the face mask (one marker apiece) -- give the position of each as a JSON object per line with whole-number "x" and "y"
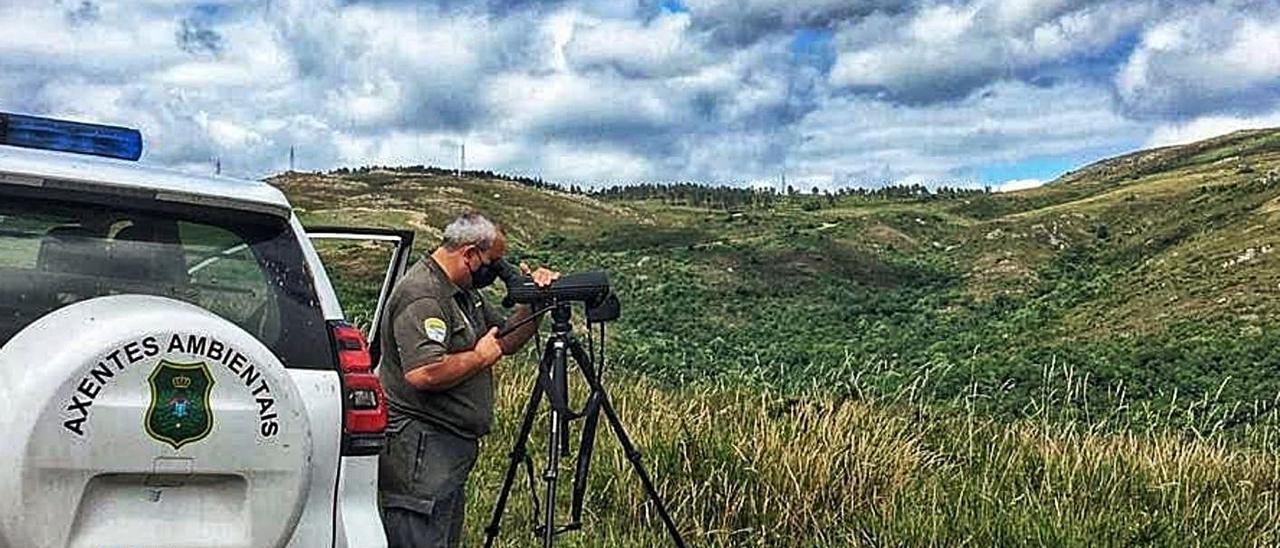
{"x": 484, "y": 276}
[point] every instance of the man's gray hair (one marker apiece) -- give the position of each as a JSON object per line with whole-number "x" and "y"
{"x": 470, "y": 228}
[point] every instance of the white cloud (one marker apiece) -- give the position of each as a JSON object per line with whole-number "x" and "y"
{"x": 1214, "y": 58}
{"x": 288, "y": 73}
{"x": 661, "y": 47}
{"x": 564, "y": 104}
{"x": 942, "y": 24}
{"x": 943, "y": 52}
{"x": 863, "y": 140}
{"x": 122, "y": 40}
{"x": 600, "y": 165}
{"x": 1208, "y": 126}
{"x": 669, "y": 120}
{"x": 1015, "y": 15}
{"x": 1019, "y": 184}
{"x": 253, "y": 60}
{"x": 400, "y": 147}
{"x": 587, "y": 92}
{"x": 744, "y": 21}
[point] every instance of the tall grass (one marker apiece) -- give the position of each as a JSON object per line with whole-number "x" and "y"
{"x": 754, "y": 468}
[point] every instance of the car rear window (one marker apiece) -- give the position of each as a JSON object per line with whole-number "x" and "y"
{"x": 244, "y": 267}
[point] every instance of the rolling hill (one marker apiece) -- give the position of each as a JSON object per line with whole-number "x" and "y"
{"x": 1151, "y": 272}
{"x": 1092, "y": 362}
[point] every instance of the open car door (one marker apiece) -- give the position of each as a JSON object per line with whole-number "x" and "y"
{"x": 363, "y": 265}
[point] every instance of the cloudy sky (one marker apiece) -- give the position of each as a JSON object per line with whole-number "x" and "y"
{"x": 831, "y": 92}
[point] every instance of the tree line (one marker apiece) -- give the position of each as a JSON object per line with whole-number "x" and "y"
{"x": 701, "y": 194}
{"x": 534, "y": 182}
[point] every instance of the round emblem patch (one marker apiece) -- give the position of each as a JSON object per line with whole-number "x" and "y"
{"x": 435, "y": 329}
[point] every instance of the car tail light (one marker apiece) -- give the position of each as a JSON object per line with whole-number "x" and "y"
{"x": 364, "y": 421}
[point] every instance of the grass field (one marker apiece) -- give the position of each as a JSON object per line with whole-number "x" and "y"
{"x": 1093, "y": 362}
{"x": 746, "y": 467}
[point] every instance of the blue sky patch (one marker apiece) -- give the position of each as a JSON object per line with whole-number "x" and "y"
{"x": 672, "y": 6}
{"x": 1033, "y": 168}
{"x": 812, "y": 47}
{"x": 1047, "y": 168}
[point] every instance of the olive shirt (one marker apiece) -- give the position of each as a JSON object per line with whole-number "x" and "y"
{"x": 428, "y": 316}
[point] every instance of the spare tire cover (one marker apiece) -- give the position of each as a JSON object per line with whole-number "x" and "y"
{"x": 135, "y": 420}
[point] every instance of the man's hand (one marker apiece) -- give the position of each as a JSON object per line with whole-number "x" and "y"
{"x": 488, "y": 347}
{"x": 542, "y": 277}
{"x": 514, "y": 340}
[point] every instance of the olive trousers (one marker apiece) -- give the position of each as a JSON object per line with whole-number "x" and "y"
{"x": 422, "y": 478}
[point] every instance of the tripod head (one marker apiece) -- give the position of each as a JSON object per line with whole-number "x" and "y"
{"x": 561, "y": 314}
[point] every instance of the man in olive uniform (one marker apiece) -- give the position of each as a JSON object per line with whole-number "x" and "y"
{"x": 439, "y": 344}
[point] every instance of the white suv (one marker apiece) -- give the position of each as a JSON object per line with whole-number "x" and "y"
{"x": 174, "y": 365}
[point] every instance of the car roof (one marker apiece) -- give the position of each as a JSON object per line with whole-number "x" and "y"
{"x": 51, "y": 169}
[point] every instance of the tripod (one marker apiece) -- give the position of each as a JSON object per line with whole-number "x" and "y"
{"x": 552, "y": 382}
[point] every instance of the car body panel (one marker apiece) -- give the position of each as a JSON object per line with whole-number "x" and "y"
{"x": 321, "y": 393}
{"x": 122, "y": 473}
{"x": 357, "y": 518}
{"x": 341, "y": 507}
{"x": 31, "y": 167}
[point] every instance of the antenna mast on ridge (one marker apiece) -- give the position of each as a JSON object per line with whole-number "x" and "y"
{"x": 462, "y": 159}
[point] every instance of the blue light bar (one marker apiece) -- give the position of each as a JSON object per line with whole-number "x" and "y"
{"x": 49, "y": 134}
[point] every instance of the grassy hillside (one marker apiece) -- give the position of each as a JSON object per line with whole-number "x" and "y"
{"x": 1095, "y": 359}
{"x": 425, "y": 202}
{"x": 1150, "y": 273}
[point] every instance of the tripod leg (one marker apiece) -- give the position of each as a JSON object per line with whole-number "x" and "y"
{"x": 586, "y": 444}
{"x": 633, "y": 455}
{"x": 558, "y": 394}
{"x": 629, "y": 449}
{"x": 519, "y": 451}
{"x": 586, "y": 447}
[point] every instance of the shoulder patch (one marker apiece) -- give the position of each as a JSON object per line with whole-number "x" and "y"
{"x": 435, "y": 329}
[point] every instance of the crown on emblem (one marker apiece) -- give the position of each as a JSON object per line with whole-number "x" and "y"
{"x": 181, "y": 381}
